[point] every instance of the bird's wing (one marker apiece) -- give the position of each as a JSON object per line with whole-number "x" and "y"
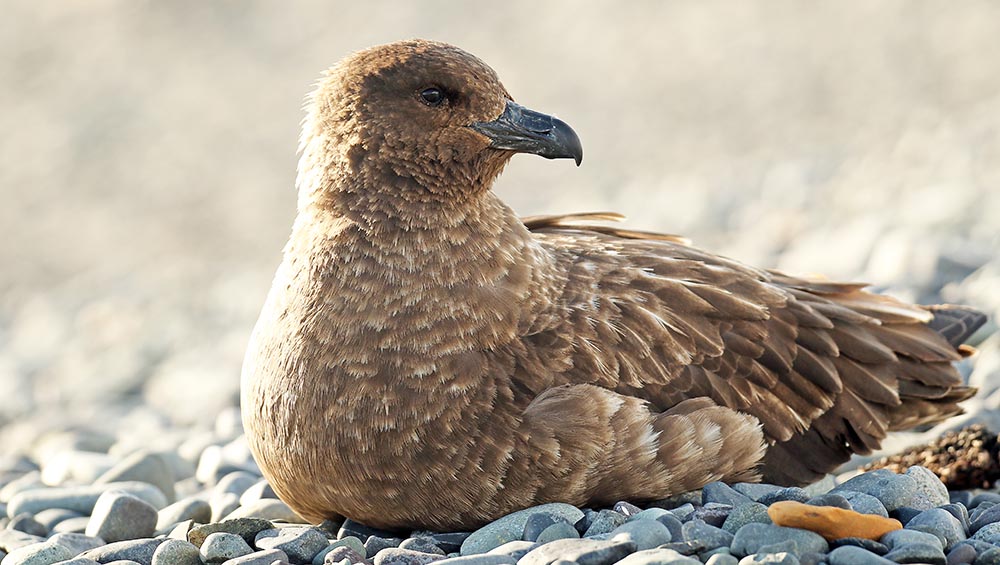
{"x": 813, "y": 360}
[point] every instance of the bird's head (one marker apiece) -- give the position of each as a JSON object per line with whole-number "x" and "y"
{"x": 417, "y": 121}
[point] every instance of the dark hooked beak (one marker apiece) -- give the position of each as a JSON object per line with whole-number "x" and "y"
{"x": 527, "y": 131}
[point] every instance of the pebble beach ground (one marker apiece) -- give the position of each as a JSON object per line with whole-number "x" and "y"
{"x": 147, "y": 169}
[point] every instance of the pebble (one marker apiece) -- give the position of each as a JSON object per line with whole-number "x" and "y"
{"x": 893, "y": 491}
{"x": 714, "y": 514}
{"x": 375, "y": 544}
{"x": 247, "y": 528}
{"x": 220, "y": 546}
{"x": 989, "y": 557}
{"x": 722, "y": 559}
{"x": 645, "y": 534}
{"x": 261, "y": 490}
{"x": 536, "y": 524}
{"x": 49, "y": 518}
{"x": 961, "y": 554}
{"x": 853, "y": 555}
{"x": 140, "y": 550}
{"x": 190, "y": 508}
{"x": 831, "y": 522}
{"x": 754, "y": 491}
{"x": 484, "y": 559}
{"x": 44, "y": 553}
{"x": 722, "y": 493}
{"x": 658, "y": 557}
{"x": 361, "y": 531}
{"x": 397, "y": 556}
{"x": 929, "y": 485}
{"x": 13, "y": 539}
{"x": 177, "y": 552}
{"x": 989, "y": 533}
{"x": 511, "y": 527}
{"x": 559, "y": 530}
{"x": 751, "y": 538}
{"x": 427, "y": 545}
{"x": 72, "y": 525}
{"x": 79, "y": 561}
{"x": 830, "y": 499}
{"x": 300, "y": 544}
{"x": 864, "y": 503}
{"x": 940, "y": 523}
{"x": 142, "y": 466}
{"x": 604, "y": 522}
{"x": 266, "y": 509}
{"x": 789, "y": 493}
{"x": 120, "y": 516}
{"x": 746, "y": 514}
{"x": 263, "y": 557}
{"x": 449, "y": 542}
{"x": 80, "y": 499}
{"x": 764, "y": 558}
{"x": 711, "y": 536}
{"x": 350, "y": 542}
{"x": 981, "y": 518}
{"x": 899, "y": 538}
{"x": 77, "y": 543}
{"x": 864, "y": 543}
{"x": 673, "y": 524}
{"x": 917, "y": 553}
{"x": 336, "y": 555}
{"x": 516, "y": 549}
{"x": 583, "y": 552}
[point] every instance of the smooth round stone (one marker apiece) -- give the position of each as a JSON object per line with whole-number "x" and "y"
{"x": 449, "y": 542}
{"x": 177, "y": 552}
{"x": 710, "y": 536}
{"x": 940, "y": 523}
{"x": 581, "y": 551}
{"x": 788, "y": 493}
{"x": 224, "y": 505}
{"x": 714, "y": 514}
{"x": 722, "y": 559}
{"x": 425, "y": 545}
{"x": 361, "y": 531}
{"x": 989, "y": 533}
{"x": 511, "y": 527}
{"x": 675, "y": 526}
{"x": 80, "y": 499}
{"x": 864, "y": 503}
{"x": 264, "y": 557}
{"x": 960, "y": 512}
{"x": 961, "y": 496}
{"x": 982, "y": 497}
{"x": 145, "y": 467}
{"x": 649, "y": 514}
{"x": 397, "y": 556}
{"x": 752, "y": 537}
{"x": 77, "y": 543}
{"x": 830, "y": 499}
{"x": 893, "y": 491}
{"x": 246, "y": 528}
{"x": 26, "y": 523}
{"x": 917, "y": 553}
{"x": 740, "y": 516}
{"x": 260, "y": 490}
{"x": 989, "y": 557}
{"x": 559, "y": 530}
{"x": 721, "y": 493}
{"x": 683, "y": 511}
{"x": 190, "y": 508}
{"x": 375, "y": 544}
{"x": 49, "y": 518}
{"x": 645, "y": 534}
{"x": 864, "y": 543}
{"x": 338, "y": 554}
{"x": 119, "y": 516}
{"x": 78, "y": 561}
{"x": 220, "y": 546}
{"x": 754, "y": 491}
{"x": 72, "y": 525}
{"x": 139, "y": 550}
{"x": 897, "y": 538}
{"x": 536, "y": 524}
{"x": 236, "y": 483}
{"x": 300, "y": 544}
{"x": 484, "y": 559}
{"x": 44, "y": 553}
{"x": 984, "y": 517}
{"x": 267, "y": 509}
{"x": 29, "y": 481}
{"x": 961, "y": 555}
{"x": 605, "y": 522}
{"x": 854, "y": 555}
{"x": 768, "y": 558}
{"x": 516, "y": 549}
{"x": 904, "y": 514}
{"x": 350, "y": 542}
{"x": 928, "y": 484}
{"x": 658, "y": 557}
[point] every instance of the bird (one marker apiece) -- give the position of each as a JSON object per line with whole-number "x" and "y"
{"x": 427, "y": 359}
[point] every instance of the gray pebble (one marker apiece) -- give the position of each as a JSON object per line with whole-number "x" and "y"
{"x": 714, "y": 514}
{"x": 722, "y": 493}
{"x": 49, "y": 518}
{"x": 722, "y": 559}
{"x": 264, "y": 557}
{"x": 751, "y": 538}
{"x": 13, "y": 539}
{"x": 235, "y": 483}
{"x": 338, "y": 554}
{"x": 904, "y": 514}
{"x": 917, "y": 553}
{"x": 853, "y": 555}
{"x": 897, "y": 538}
{"x": 510, "y": 527}
{"x": 300, "y": 544}
{"x": 80, "y": 499}
{"x": 28, "y": 524}
{"x": 989, "y": 533}
{"x": 686, "y": 547}
{"x": 658, "y": 557}
{"x": 754, "y": 491}
{"x": 177, "y": 552}
{"x": 44, "y": 553}
{"x": 989, "y": 557}
{"x": 582, "y": 551}
{"x": 645, "y": 534}
{"x": 929, "y": 485}
{"x": 979, "y": 545}
{"x": 260, "y": 490}
{"x": 893, "y": 491}
{"x": 711, "y": 536}
{"x": 864, "y": 543}
{"x": 267, "y": 509}
{"x": 675, "y": 526}
{"x": 119, "y": 516}
{"x": 830, "y": 499}
{"x": 139, "y": 550}
{"x": 604, "y": 522}
{"x": 939, "y": 523}
{"x": 397, "y": 556}
{"x": 789, "y": 493}
{"x": 535, "y": 524}
{"x": 350, "y": 542}
{"x": 77, "y": 543}
{"x": 559, "y": 530}
{"x": 649, "y": 514}
{"x": 220, "y": 546}
{"x": 145, "y": 467}
{"x": 223, "y": 505}
{"x": 72, "y": 525}
{"x": 991, "y": 497}
{"x": 683, "y": 511}
{"x": 375, "y": 544}
{"x": 449, "y": 542}
{"x": 484, "y": 559}
{"x": 961, "y": 554}
{"x": 780, "y": 558}
{"x": 982, "y": 517}
{"x": 864, "y": 503}
{"x": 516, "y": 549}
{"x": 427, "y": 545}
{"x": 746, "y": 514}
{"x": 190, "y": 508}
{"x": 247, "y": 528}
{"x": 960, "y": 512}
{"x": 78, "y": 561}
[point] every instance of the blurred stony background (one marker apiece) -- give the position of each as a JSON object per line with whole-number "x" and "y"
{"x": 147, "y": 156}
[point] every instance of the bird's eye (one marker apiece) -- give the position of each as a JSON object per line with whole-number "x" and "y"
{"x": 432, "y": 96}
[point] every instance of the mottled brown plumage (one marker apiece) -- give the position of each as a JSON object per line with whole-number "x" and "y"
{"x": 427, "y": 359}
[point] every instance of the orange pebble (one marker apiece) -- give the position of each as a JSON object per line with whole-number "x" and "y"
{"x": 831, "y": 522}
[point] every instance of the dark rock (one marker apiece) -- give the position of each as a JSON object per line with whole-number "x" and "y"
{"x": 721, "y": 493}
{"x": 755, "y": 538}
{"x": 375, "y": 544}
{"x": 982, "y": 517}
{"x": 398, "y": 556}
{"x": 830, "y": 499}
{"x": 627, "y": 508}
{"x": 449, "y": 542}
{"x": 139, "y": 550}
{"x": 28, "y": 524}
{"x": 222, "y": 546}
{"x": 536, "y": 523}
{"x": 864, "y": 543}
{"x": 604, "y": 522}
{"x": 961, "y": 554}
{"x": 715, "y": 515}
{"x": 582, "y": 551}
{"x": 246, "y": 528}
{"x": 300, "y": 544}
{"x": 904, "y": 514}
{"x": 363, "y": 532}
{"x": 674, "y": 525}
{"x": 854, "y": 555}
{"x": 425, "y": 545}
{"x": 789, "y": 493}
{"x": 917, "y": 553}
